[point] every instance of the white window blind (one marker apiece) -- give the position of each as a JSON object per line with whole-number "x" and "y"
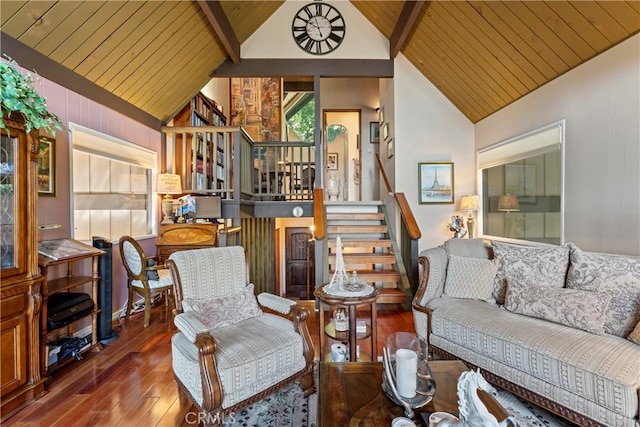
{"x": 92, "y": 142}
{"x": 111, "y": 186}
{"x": 529, "y": 145}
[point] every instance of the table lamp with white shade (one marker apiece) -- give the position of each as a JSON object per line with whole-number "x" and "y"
{"x": 168, "y": 184}
{"x": 470, "y": 204}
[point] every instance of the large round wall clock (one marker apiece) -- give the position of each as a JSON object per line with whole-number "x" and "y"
{"x": 318, "y": 28}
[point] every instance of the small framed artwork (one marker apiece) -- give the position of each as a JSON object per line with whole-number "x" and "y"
{"x": 332, "y": 161}
{"x": 390, "y": 148}
{"x": 381, "y": 115}
{"x": 435, "y": 183}
{"x": 374, "y": 132}
{"x": 385, "y": 131}
{"x": 46, "y": 167}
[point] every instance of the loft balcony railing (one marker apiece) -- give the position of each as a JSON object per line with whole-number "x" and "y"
{"x": 236, "y": 168}
{"x": 206, "y": 159}
{"x": 279, "y": 170}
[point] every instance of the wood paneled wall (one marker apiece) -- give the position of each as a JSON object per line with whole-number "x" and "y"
{"x": 258, "y": 238}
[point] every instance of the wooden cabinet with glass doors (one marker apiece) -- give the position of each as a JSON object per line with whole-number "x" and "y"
{"x": 20, "y": 280}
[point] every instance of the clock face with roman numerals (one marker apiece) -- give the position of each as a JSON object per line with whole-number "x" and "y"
{"x": 318, "y": 28}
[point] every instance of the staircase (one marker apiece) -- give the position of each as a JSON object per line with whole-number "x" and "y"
{"x": 368, "y": 247}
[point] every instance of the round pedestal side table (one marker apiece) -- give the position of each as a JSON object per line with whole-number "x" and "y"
{"x": 351, "y": 336}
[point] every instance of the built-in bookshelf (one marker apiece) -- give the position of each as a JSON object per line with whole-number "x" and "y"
{"x": 200, "y": 156}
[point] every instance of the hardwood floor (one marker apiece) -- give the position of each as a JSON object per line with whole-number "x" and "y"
{"x": 130, "y": 382}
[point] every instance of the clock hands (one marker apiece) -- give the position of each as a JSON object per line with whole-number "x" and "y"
{"x": 316, "y": 25}
{"x": 319, "y": 27}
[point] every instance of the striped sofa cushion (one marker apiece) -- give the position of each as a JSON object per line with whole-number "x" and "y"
{"x": 242, "y": 373}
{"x": 597, "y": 375}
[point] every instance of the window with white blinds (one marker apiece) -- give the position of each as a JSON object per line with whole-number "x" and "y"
{"x": 111, "y": 186}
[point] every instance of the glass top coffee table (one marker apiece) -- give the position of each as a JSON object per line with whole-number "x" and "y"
{"x": 350, "y": 394}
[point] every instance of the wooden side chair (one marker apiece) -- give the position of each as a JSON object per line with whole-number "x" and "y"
{"x": 144, "y": 277}
{"x": 227, "y": 352}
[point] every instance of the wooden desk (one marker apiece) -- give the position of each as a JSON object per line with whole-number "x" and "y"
{"x": 350, "y": 394}
{"x": 181, "y": 237}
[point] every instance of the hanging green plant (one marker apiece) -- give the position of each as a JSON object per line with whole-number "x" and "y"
{"x": 17, "y": 94}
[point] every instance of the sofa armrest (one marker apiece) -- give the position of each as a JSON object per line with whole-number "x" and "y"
{"x": 432, "y": 268}
{"x": 275, "y": 302}
{"x": 298, "y": 314}
{"x": 198, "y": 333}
{"x": 190, "y": 326}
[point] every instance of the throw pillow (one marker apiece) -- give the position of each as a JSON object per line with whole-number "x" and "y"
{"x": 470, "y": 278}
{"x": 476, "y": 248}
{"x": 528, "y": 265}
{"x": 634, "y": 336}
{"x": 571, "y": 307}
{"x": 616, "y": 275}
{"x": 223, "y": 311}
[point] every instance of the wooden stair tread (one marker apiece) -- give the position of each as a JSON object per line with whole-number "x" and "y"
{"x": 370, "y": 258}
{"x": 386, "y": 276}
{"x": 356, "y": 243}
{"x": 355, "y": 229}
{"x": 392, "y": 296}
{"x": 355, "y": 215}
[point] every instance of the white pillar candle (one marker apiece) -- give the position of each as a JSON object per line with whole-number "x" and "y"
{"x": 406, "y": 370}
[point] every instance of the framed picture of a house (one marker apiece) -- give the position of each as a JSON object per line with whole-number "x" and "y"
{"x": 435, "y": 183}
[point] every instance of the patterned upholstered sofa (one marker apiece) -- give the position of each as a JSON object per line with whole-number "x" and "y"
{"x": 555, "y": 325}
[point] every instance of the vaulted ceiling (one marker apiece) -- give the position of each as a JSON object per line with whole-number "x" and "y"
{"x": 156, "y": 55}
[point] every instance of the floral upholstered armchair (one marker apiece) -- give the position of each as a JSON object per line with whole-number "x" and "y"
{"x": 227, "y": 352}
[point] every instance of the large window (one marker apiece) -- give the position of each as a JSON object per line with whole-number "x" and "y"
{"x": 522, "y": 186}
{"x": 111, "y": 186}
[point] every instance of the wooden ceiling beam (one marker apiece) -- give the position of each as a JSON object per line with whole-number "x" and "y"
{"x": 221, "y": 25}
{"x": 406, "y": 21}
{"x": 380, "y": 68}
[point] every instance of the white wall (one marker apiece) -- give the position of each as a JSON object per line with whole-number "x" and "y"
{"x": 218, "y": 90}
{"x": 600, "y": 101}
{"x": 274, "y": 40}
{"x": 426, "y": 127}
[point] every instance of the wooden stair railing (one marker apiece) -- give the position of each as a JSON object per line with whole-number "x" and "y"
{"x": 318, "y": 214}
{"x": 409, "y": 231}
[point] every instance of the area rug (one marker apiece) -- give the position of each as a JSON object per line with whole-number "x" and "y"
{"x": 286, "y": 408}
{"x": 289, "y": 408}
{"x": 527, "y": 414}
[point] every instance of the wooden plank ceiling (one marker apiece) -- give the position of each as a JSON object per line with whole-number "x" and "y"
{"x": 482, "y": 55}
